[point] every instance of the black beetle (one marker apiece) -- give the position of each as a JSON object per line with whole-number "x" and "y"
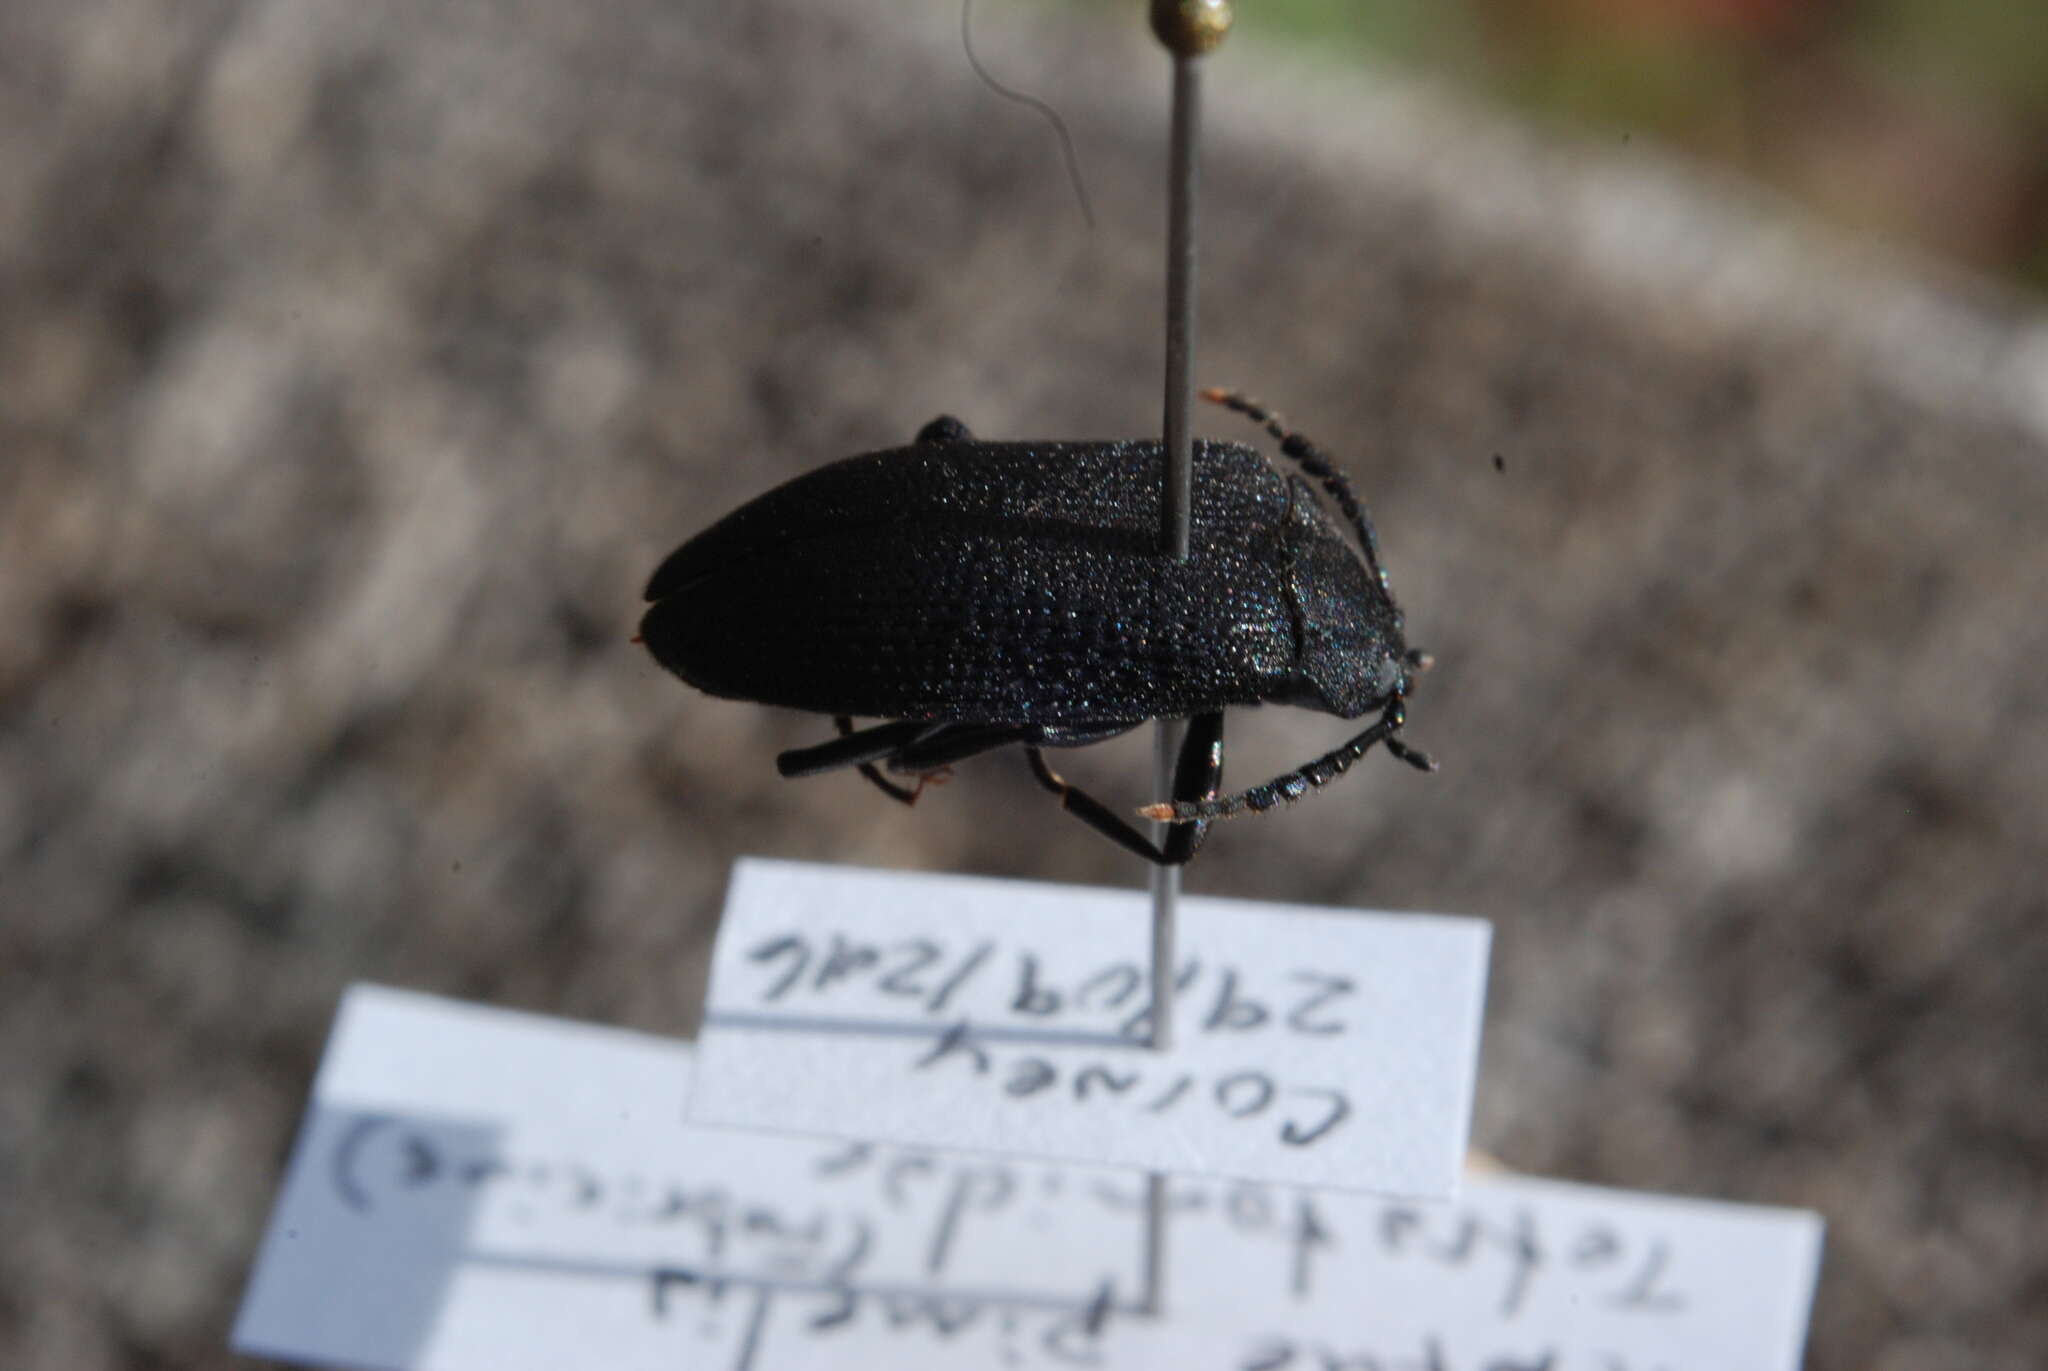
{"x": 983, "y": 594}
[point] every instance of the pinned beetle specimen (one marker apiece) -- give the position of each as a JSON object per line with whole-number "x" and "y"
{"x": 977, "y": 595}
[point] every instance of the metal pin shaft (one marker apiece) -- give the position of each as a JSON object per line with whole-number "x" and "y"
{"x": 1183, "y": 172}
{"x": 1177, "y": 499}
{"x": 1188, "y": 28}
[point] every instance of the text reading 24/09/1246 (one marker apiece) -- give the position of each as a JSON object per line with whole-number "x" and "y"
{"x": 1010, "y": 1017}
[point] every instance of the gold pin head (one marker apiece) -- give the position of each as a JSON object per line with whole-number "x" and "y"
{"x": 1190, "y": 28}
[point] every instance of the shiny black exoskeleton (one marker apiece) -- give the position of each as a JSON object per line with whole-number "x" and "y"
{"x": 981, "y": 594}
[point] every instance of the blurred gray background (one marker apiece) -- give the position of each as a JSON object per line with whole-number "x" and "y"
{"x": 358, "y": 361}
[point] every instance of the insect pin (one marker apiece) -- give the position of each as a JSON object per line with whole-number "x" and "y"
{"x": 976, "y": 595}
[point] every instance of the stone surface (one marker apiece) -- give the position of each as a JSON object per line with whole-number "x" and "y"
{"x": 358, "y": 361}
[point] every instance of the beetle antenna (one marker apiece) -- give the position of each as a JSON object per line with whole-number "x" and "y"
{"x": 1288, "y": 788}
{"x": 1316, "y": 463}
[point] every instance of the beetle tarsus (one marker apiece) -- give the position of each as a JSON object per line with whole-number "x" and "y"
{"x": 901, "y": 794}
{"x": 909, "y": 795}
{"x": 1421, "y": 761}
{"x": 1292, "y": 785}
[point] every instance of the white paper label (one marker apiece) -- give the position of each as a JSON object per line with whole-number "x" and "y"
{"x": 1310, "y": 1047}
{"x": 1516, "y": 1275}
{"x": 477, "y": 1190}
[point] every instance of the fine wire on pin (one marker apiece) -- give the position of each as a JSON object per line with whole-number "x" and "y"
{"x": 1031, "y": 102}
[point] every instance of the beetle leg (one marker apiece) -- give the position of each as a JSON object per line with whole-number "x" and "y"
{"x": 1092, "y": 811}
{"x": 1197, "y": 773}
{"x": 952, "y": 743}
{"x": 1296, "y": 783}
{"x": 1196, "y": 777}
{"x": 1316, "y": 463}
{"x": 851, "y": 749}
{"x": 901, "y": 794}
{"x": 860, "y": 749}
